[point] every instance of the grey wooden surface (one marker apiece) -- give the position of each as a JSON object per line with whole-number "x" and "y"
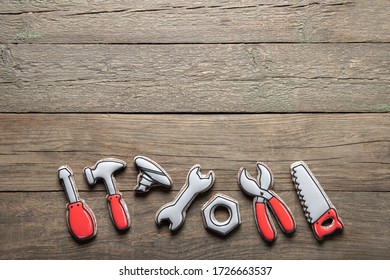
{"x": 219, "y": 83}
{"x": 194, "y": 22}
{"x": 254, "y": 78}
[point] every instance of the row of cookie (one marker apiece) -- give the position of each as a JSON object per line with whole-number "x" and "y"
{"x": 318, "y": 209}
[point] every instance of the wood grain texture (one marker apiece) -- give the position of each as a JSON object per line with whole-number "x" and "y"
{"x": 201, "y": 22}
{"x": 348, "y": 152}
{"x": 195, "y": 78}
{"x": 34, "y": 227}
{"x": 311, "y": 77}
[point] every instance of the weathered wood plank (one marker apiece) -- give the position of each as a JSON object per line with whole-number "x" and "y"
{"x": 201, "y": 22}
{"x": 195, "y": 78}
{"x": 33, "y": 227}
{"x": 346, "y": 151}
{"x": 77, "y": 56}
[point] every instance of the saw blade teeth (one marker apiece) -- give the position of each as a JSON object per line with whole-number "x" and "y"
{"x": 301, "y": 196}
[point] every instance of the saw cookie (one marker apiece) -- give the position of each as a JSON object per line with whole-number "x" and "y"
{"x": 318, "y": 209}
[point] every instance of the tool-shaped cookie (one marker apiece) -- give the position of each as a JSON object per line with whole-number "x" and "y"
{"x": 318, "y": 209}
{"x": 150, "y": 174}
{"x": 261, "y": 190}
{"x": 104, "y": 170}
{"x": 175, "y": 211}
{"x": 80, "y": 218}
{"x": 208, "y": 214}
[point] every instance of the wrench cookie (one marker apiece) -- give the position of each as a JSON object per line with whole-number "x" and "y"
{"x": 175, "y": 211}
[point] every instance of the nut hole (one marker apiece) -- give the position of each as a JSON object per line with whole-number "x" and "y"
{"x": 221, "y": 214}
{"x": 222, "y": 209}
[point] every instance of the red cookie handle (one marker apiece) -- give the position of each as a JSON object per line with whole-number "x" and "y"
{"x": 321, "y": 230}
{"x": 118, "y": 209}
{"x": 81, "y": 221}
{"x": 263, "y": 222}
{"x": 283, "y": 214}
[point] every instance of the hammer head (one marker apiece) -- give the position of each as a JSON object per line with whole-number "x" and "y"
{"x": 104, "y": 170}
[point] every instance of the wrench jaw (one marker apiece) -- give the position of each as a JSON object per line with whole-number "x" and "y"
{"x": 203, "y": 182}
{"x": 169, "y": 213}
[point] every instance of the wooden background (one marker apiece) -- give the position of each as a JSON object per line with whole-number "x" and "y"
{"x": 219, "y": 83}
